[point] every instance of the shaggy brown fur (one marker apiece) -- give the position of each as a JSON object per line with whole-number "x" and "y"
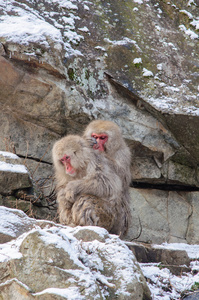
{"x": 92, "y": 195}
{"x": 117, "y": 151}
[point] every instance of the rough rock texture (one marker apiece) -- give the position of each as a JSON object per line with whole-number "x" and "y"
{"x": 132, "y": 62}
{"x": 13, "y": 174}
{"x": 177, "y": 261}
{"x": 13, "y": 224}
{"x": 53, "y": 262}
{"x": 164, "y": 216}
{"x": 193, "y": 296}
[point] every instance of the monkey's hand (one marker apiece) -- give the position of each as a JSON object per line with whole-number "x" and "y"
{"x": 71, "y": 191}
{"x": 91, "y": 141}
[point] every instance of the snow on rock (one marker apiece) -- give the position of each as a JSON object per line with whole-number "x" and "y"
{"x": 9, "y": 155}
{"x": 189, "y": 32}
{"x": 13, "y": 223}
{"x": 13, "y": 174}
{"x": 137, "y": 60}
{"x": 12, "y": 168}
{"x": 163, "y": 284}
{"x": 192, "y": 250}
{"x": 6, "y": 166}
{"x": 97, "y": 267}
{"x": 16, "y": 25}
{"x": 82, "y": 263}
{"x": 147, "y": 73}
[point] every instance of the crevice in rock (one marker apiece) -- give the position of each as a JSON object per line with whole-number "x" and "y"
{"x": 35, "y": 159}
{"x": 162, "y": 186}
{"x": 131, "y": 95}
{"x": 189, "y": 219}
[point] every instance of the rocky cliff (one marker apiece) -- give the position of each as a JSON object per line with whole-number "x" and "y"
{"x": 48, "y": 261}
{"x": 64, "y": 63}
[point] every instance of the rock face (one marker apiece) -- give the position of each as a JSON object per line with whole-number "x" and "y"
{"x": 164, "y": 216}
{"x": 131, "y": 62}
{"x": 17, "y": 191}
{"x": 13, "y": 174}
{"x": 54, "y": 262}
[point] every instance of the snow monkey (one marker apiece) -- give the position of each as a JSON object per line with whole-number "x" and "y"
{"x": 88, "y": 188}
{"x": 110, "y": 143}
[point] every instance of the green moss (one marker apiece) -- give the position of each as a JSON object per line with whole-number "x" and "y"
{"x": 195, "y": 286}
{"x": 71, "y": 74}
{"x": 87, "y": 74}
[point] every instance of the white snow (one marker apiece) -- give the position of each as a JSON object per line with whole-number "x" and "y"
{"x": 189, "y": 32}
{"x": 9, "y": 155}
{"x": 85, "y": 255}
{"x": 20, "y": 29}
{"x": 137, "y": 60}
{"x": 123, "y": 42}
{"x": 187, "y": 13}
{"x": 195, "y": 23}
{"x": 6, "y": 167}
{"x": 71, "y": 293}
{"x": 84, "y": 29}
{"x": 9, "y": 225}
{"x": 162, "y": 283}
{"x": 159, "y": 67}
{"x": 171, "y": 104}
{"x": 100, "y": 48}
{"x": 191, "y": 2}
{"x": 192, "y": 250}
{"x": 138, "y": 1}
{"x": 147, "y": 73}
{"x": 16, "y": 25}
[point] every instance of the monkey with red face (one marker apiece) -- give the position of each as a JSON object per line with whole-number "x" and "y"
{"x": 110, "y": 143}
{"x": 88, "y": 189}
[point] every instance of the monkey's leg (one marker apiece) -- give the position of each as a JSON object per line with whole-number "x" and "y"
{"x": 89, "y": 210}
{"x": 64, "y": 209}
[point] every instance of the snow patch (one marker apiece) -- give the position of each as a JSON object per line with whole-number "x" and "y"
{"x": 138, "y": 1}
{"x": 16, "y": 25}
{"x": 137, "y": 61}
{"x": 71, "y": 293}
{"x": 9, "y": 155}
{"x": 20, "y": 30}
{"x": 123, "y": 42}
{"x": 6, "y": 167}
{"x": 188, "y": 32}
{"x": 192, "y": 250}
{"x": 159, "y": 67}
{"x": 147, "y": 73}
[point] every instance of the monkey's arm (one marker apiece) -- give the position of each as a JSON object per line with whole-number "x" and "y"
{"x": 64, "y": 201}
{"x": 98, "y": 185}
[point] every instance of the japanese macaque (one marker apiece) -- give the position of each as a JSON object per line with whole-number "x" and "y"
{"x": 110, "y": 143}
{"x": 88, "y": 189}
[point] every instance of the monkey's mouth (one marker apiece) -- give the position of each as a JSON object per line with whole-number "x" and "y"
{"x": 71, "y": 173}
{"x": 96, "y": 146}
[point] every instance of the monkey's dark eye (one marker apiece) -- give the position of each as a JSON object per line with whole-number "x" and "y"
{"x": 103, "y": 137}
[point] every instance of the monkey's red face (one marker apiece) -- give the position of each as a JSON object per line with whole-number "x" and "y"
{"x": 65, "y": 160}
{"x": 101, "y": 139}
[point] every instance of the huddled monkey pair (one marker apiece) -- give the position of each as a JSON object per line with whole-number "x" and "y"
{"x": 93, "y": 177}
